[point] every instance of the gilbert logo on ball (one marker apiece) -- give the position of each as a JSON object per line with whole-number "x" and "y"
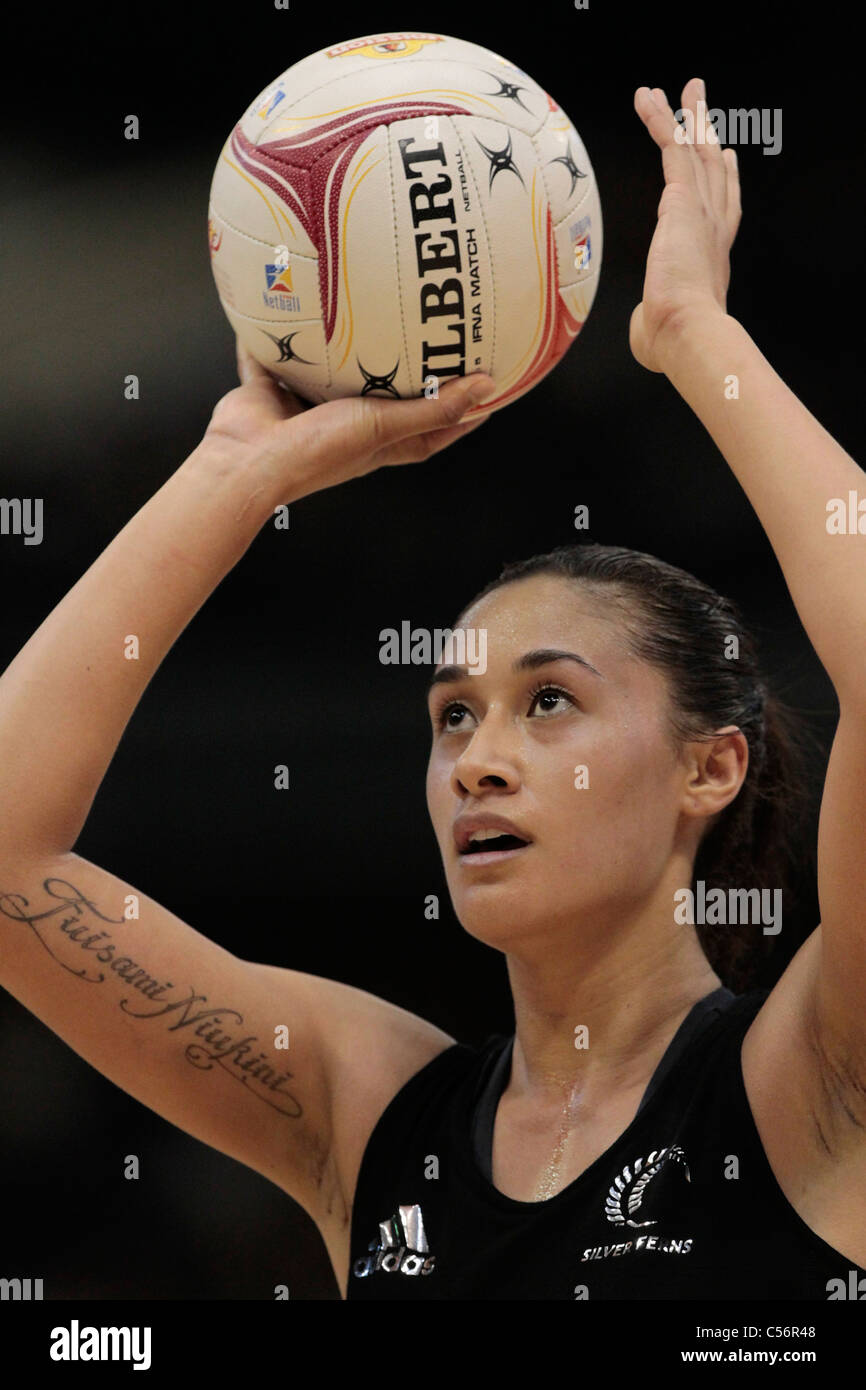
{"x": 400, "y": 209}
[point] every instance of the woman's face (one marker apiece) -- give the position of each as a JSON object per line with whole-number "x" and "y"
{"x": 585, "y": 771}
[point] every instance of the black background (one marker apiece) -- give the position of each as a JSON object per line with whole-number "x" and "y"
{"x": 105, "y": 272}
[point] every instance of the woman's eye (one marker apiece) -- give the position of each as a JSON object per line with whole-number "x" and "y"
{"x": 548, "y": 697}
{"x": 545, "y": 700}
{"x": 450, "y": 716}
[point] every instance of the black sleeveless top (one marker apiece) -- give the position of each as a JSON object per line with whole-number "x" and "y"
{"x": 684, "y": 1205}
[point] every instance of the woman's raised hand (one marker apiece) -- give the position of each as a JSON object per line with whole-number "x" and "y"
{"x": 688, "y": 267}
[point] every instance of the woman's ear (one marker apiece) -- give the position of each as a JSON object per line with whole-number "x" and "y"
{"x": 717, "y": 768}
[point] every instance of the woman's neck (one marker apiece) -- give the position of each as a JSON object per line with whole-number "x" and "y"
{"x": 604, "y": 1019}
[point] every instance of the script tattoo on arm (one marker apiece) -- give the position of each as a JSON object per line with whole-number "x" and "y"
{"x": 223, "y": 1042}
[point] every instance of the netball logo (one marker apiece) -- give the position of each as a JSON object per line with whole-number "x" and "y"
{"x": 629, "y": 1189}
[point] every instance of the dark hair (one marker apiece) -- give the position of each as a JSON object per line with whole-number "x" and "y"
{"x": 684, "y": 628}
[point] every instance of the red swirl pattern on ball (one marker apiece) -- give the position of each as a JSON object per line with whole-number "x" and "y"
{"x": 307, "y": 171}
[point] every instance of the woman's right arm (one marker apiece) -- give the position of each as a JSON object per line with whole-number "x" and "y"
{"x": 157, "y": 1007}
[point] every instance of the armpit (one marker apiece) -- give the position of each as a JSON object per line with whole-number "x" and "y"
{"x": 326, "y": 1177}
{"x": 838, "y": 1103}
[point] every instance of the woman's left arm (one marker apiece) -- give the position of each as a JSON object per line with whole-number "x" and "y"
{"x": 791, "y": 470}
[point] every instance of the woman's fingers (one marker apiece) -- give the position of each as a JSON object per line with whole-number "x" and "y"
{"x": 392, "y": 422}
{"x": 707, "y": 147}
{"x": 424, "y": 446}
{"x": 278, "y": 400}
{"x": 349, "y": 437}
{"x": 685, "y": 136}
{"x": 678, "y": 161}
{"x": 733, "y": 208}
{"x": 446, "y": 410}
{"x": 248, "y": 368}
{"x": 719, "y": 166}
{"x": 698, "y": 163}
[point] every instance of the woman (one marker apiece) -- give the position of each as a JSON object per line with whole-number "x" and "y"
{"x": 617, "y": 1146}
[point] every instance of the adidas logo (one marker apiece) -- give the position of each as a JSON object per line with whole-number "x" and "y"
{"x": 402, "y": 1245}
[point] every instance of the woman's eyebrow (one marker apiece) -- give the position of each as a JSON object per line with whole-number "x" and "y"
{"x": 541, "y": 656}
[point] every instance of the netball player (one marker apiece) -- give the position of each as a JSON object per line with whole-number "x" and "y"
{"x": 647, "y": 1132}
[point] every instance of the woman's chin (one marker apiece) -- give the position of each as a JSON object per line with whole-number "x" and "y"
{"x": 498, "y": 924}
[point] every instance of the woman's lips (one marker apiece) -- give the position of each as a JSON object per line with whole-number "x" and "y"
{"x": 491, "y": 856}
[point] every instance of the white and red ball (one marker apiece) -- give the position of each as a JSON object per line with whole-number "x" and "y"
{"x": 400, "y": 209}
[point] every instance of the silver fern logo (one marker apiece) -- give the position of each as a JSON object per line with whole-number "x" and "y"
{"x": 629, "y": 1188}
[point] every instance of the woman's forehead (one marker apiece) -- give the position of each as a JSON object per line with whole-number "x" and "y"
{"x": 554, "y": 612}
{"x": 545, "y": 608}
